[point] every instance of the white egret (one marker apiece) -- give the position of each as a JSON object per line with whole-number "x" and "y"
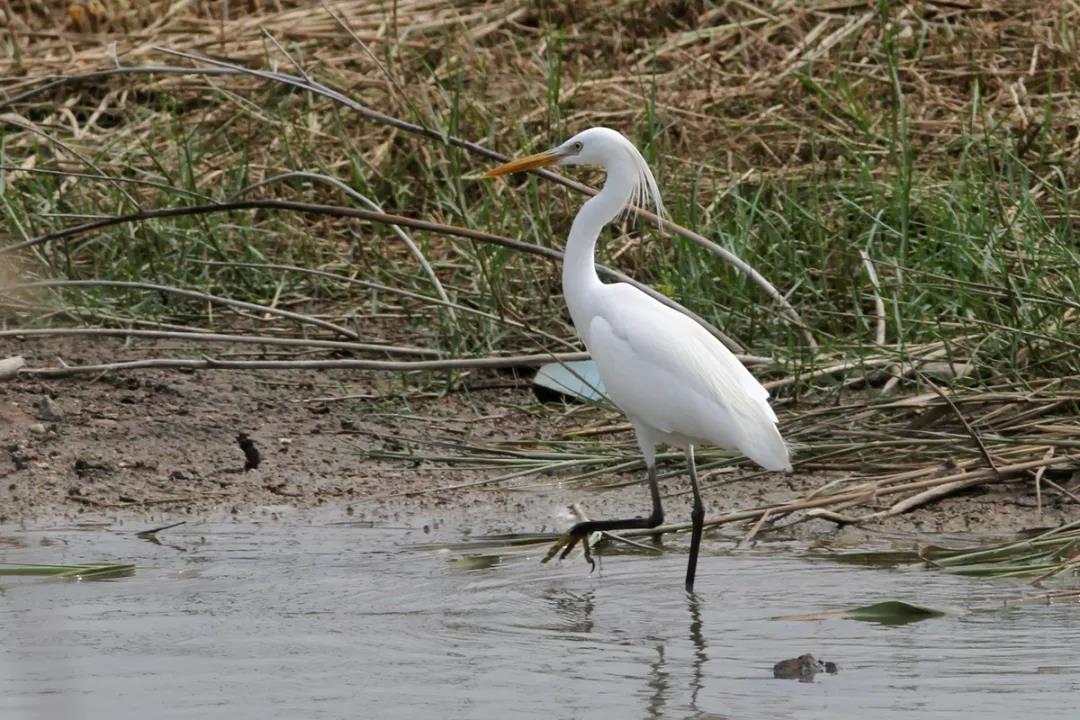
{"x": 678, "y": 385}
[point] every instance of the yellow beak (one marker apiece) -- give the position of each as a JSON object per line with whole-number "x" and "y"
{"x": 522, "y": 164}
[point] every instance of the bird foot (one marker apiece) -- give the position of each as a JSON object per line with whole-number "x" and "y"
{"x": 566, "y": 544}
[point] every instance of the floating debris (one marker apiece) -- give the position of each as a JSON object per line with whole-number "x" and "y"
{"x": 890, "y": 612}
{"x": 802, "y": 668}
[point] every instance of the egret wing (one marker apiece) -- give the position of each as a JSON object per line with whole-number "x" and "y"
{"x": 663, "y": 368}
{"x": 668, "y": 339}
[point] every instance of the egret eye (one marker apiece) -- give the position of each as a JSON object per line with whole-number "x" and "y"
{"x": 578, "y": 145}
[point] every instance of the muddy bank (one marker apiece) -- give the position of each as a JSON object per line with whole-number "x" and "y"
{"x": 164, "y": 444}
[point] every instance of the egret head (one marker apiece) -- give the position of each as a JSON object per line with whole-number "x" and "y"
{"x": 596, "y": 146}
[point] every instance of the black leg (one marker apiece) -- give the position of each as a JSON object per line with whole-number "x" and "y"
{"x": 581, "y": 531}
{"x": 697, "y": 518}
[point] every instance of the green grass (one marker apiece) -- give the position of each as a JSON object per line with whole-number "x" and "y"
{"x": 972, "y": 226}
{"x": 963, "y": 251}
{"x": 966, "y": 254}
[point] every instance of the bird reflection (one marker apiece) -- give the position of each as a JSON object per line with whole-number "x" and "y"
{"x": 697, "y": 639}
{"x": 665, "y": 692}
{"x": 575, "y": 612}
{"x": 659, "y": 681}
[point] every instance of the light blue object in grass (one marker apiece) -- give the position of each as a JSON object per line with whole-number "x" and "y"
{"x": 578, "y": 379}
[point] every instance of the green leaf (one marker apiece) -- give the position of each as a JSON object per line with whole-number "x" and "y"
{"x": 890, "y": 612}
{"x": 79, "y": 572}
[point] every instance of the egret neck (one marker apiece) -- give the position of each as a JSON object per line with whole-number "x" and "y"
{"x": 580, "y": 282}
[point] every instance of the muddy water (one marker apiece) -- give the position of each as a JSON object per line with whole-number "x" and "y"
{"x": 310, "y": 619}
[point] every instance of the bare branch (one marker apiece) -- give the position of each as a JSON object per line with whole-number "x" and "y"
{"x": 193, "y": 294}
{"x": 338, "y": 211}
{"x": 387, "y": 365}
{"x": 224, "y": 68}
{"x": 220, "y": 338}
{"x": 393, "y": 290}
{"x": 412, "y": 247}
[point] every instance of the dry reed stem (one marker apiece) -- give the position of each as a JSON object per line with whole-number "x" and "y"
{"x": 368, "y": 215}
{"x": 206, "y": 363}
{"x": 722, "y": 64}
{"x": 211, "y": 337}
{"x": 863, "y": 496}
{"x": 183, "y": 292}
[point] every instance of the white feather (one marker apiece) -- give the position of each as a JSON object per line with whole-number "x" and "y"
{"x": 663, "y": 369}
{"x": 645, "y": 192}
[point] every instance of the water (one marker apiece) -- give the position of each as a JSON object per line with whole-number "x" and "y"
{"x": 310, "y": 619}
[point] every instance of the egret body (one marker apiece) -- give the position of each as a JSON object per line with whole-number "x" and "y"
{"x": 678, "y": 385}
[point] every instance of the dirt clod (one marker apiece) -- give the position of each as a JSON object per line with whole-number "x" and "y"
{"x": 252, "y": 458}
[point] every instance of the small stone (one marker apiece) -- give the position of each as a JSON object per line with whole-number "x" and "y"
{"x": 48, "y": 409}
{"x": 9, "y": 367}
{"x": 38, "y": 428}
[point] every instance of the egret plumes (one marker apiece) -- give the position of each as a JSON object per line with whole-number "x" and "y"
{"x": 678, "y": 385}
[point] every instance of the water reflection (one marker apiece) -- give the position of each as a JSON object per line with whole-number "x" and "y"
{"x": 573, "y": 610}
{"x": 697, "y": 640}
{"x": 658, "y": 684}
{"x": 300, "y": 620}
{"x": 659, "y": 681}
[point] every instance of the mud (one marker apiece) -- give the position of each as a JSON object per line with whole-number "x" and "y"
{"x": 163, "y": 444}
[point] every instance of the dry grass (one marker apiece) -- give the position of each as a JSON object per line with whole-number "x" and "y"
{"x": 784, "y": 87}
